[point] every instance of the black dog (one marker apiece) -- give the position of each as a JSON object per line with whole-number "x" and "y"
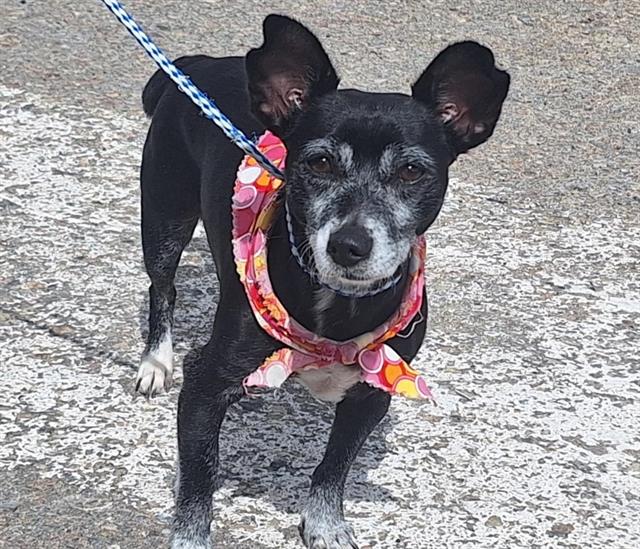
{"x": 365, "y": 174}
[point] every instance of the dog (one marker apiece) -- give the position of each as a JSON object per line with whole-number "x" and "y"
{"x": 366, "y": 173}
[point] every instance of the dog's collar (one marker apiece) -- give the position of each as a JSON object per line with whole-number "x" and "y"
{"x": 382, "y": 286}
{"x": 254, "y": 204}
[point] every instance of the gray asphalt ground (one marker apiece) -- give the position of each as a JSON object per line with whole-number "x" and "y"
{"x": 532, "y": 347}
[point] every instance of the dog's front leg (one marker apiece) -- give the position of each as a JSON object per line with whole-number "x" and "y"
{"x": 323, "y": 525}
{"x": 212, "y": 382}
{"x": 201, "y": 409}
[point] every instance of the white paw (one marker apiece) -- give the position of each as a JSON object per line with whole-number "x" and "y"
{"x": 154, "y": 376}
{"x": 325, "y": 531}
{"x": 183, "y": 543}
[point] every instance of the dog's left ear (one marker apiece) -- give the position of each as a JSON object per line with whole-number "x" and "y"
{"x": 287, "y": 72}
{"x": 465, "y": 90}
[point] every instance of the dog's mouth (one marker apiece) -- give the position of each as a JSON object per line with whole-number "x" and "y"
{"x": 380, "y": 270}
{"x": 359, "y": 280}
{"x": 359, "y": 286}
{"x": 350, "y": 282}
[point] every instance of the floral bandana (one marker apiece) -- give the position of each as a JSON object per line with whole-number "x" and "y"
{"x": 254, "y": 205}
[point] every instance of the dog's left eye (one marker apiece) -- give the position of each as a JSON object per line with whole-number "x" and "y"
{"x": 410, "y": 173}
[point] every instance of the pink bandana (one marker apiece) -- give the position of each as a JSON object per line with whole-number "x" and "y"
{"x": 254, "y": 206}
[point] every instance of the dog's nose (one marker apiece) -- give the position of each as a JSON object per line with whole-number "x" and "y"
{"x": 349, "y": 245}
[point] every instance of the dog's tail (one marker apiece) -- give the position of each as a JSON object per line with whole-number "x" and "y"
{"x": 157, "y": 84}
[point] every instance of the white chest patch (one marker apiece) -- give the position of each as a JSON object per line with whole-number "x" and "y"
{"x": 329, "y": 383}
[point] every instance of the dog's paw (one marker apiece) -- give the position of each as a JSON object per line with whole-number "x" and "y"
{"x": 154, "y": 376}
{"x": 184, "y": 543}
{"x": 321, "y": 531}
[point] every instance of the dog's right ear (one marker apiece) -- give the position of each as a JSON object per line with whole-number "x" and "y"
{"x": 287, "y": 72}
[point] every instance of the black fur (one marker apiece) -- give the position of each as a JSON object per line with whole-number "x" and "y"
{"x": 187, "y": 174}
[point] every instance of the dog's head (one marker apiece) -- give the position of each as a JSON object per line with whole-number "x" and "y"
{"x": 367, "y": 172}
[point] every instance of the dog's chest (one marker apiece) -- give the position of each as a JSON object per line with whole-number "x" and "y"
{"x": 329, "y": 383}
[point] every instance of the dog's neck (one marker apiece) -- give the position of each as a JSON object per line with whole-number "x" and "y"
{"x": 317, "y": 308}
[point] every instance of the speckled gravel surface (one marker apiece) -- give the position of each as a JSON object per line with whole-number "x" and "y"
{"x": 533, "y": 346}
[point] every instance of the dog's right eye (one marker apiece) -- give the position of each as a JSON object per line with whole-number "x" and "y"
{"x": 321, "y": 164}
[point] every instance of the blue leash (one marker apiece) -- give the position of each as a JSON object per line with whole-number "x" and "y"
{"x": 208, "y": 107}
